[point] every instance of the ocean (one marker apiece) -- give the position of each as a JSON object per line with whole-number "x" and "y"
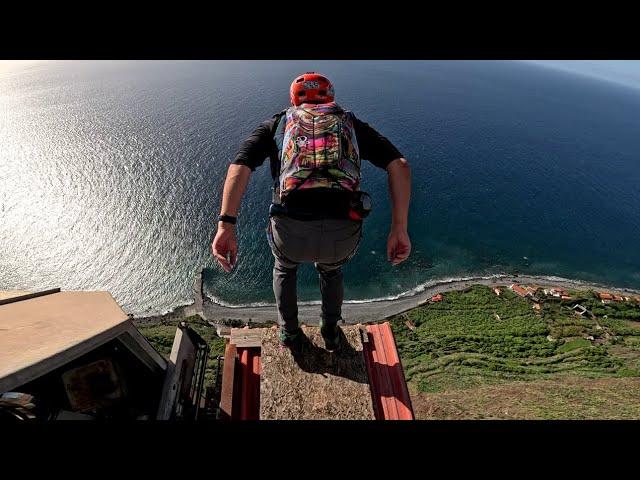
{"x": 111, "y": 175}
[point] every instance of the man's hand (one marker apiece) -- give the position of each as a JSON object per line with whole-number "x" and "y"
{"x": 398, "y": 245}
{"x": 225, "y": 244}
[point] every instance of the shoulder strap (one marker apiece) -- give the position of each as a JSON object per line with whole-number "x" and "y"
{"x": 278, "y": 136}
{"x": 278, "y": 116}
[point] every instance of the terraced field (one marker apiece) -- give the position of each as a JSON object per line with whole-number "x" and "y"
{"x": 475, "y": 342}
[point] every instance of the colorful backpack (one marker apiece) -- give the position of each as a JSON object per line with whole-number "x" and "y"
{"x": 317, "y": 149}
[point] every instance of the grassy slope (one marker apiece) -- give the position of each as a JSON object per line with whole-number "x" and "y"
{"x": 477, "y": 355}
{"x": 572, "y": 397}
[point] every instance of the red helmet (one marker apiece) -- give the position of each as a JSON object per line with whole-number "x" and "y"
{"x": 311, "y": 87}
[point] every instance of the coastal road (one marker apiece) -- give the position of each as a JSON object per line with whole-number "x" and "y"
{"x": 379, "y": 310}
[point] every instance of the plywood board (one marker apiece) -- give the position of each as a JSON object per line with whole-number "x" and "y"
{"x": 315, "y": 384}
{"x": 42, "y": 333}
{"x": 247, "y": 337}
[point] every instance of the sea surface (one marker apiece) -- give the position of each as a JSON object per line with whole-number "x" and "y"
{"x": 111, "y": 175}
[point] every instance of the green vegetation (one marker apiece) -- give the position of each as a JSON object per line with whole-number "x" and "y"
{"x": 479, "y": 355}
{"x": 161, "y": 336}
{"x": 614, "y": 310}
{"x": 573, "y": 344}
{"x": 477, "y": 339}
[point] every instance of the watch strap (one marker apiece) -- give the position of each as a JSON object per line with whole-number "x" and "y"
{"x": 227, "y": 219}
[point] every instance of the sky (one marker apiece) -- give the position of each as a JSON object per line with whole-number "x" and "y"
{"x": 8, "y": 65}
{"x": 624, "y": 72}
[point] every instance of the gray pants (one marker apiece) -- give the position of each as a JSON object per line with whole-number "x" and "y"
{"x": 328, "y": 243}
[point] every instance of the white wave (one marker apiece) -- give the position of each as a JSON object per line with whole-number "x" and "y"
{"x": 166, "y": 311}
{"x": 428, "y": 284}
{"x": 409, "y": 293}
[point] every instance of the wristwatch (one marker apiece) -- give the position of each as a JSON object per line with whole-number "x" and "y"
{"x": 227, "y": 219}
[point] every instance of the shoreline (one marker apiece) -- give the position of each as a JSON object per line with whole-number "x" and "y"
{"x": 362, "y": 311}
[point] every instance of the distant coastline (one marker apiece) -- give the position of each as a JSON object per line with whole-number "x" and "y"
{"x": 357, "y": 311}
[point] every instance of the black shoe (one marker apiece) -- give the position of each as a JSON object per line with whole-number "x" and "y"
{"x": 331, "y": 336}
{"x": 291, "y": 340}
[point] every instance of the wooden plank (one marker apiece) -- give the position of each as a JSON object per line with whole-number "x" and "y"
{"x": 10, "y": 295}
{"x": 228, "y": 382}
{"x": 247, "y": 337}
{"x": 178, "y": 374}
{"x": 316, "y": 384}
{"x": 6, "y": 297}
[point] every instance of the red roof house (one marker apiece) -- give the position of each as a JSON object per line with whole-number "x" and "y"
{"x": 519, "y": 290}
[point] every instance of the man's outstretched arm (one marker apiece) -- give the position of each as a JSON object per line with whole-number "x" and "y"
{"x": 398, "y": 243}
{"x": 251, "y": 155}
{"x": 382, "y": 153}
{"x": 225, "y": 242}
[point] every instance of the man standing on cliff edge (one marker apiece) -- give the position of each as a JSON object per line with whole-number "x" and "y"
{"x": 315, "y": 149}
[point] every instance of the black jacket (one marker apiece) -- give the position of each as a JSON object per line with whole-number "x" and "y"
{"x": 261, "y": 145}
